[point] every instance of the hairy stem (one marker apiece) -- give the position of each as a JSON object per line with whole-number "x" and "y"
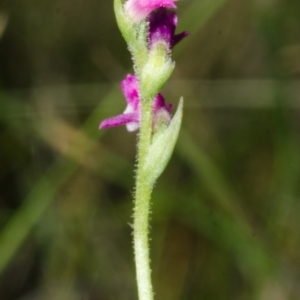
{"x": 142, "y": 208}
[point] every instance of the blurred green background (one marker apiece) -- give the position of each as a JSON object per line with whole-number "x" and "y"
{"x": 226, "y": 213}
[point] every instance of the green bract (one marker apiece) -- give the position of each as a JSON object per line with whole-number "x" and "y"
{"x": 162, "y": 147}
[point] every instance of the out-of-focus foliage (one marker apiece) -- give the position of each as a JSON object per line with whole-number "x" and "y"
{"x": 225, "y": 220}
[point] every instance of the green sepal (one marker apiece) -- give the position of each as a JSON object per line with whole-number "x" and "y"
{"x": 135, "y": 35}
{"x": 138, "y": 46}
{"x": 156, "y": 71}
{"x": 162, "y": 147}
{"x": 125, "y": 24}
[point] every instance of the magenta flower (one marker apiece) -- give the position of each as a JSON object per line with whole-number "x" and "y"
{"x": 140, "y": 9}
{"x": 132, "y": 115}
{"x": 162, "y": 26}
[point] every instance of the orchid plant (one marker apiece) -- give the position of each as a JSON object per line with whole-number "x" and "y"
{"x": 148, "y": 27}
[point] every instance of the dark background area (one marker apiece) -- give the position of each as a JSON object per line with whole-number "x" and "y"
{"x": 225, "y": 218}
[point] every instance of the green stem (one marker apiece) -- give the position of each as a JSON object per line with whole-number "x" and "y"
{"x": 142, "y": 208}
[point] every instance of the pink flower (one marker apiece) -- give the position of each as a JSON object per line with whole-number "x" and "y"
{"x": 138, "y": 10}
{"x": 162, "y": 26}
{"x": 132, "y": 115}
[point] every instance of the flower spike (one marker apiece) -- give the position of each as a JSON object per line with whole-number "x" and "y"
{"x": 148, "y": 27}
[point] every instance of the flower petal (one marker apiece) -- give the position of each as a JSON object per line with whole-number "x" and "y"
{"x": 130, "y": 89}
{"x": 120, "y": 120}
{"x": 159, "y": 102}
{"x": 140, "y": 9}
